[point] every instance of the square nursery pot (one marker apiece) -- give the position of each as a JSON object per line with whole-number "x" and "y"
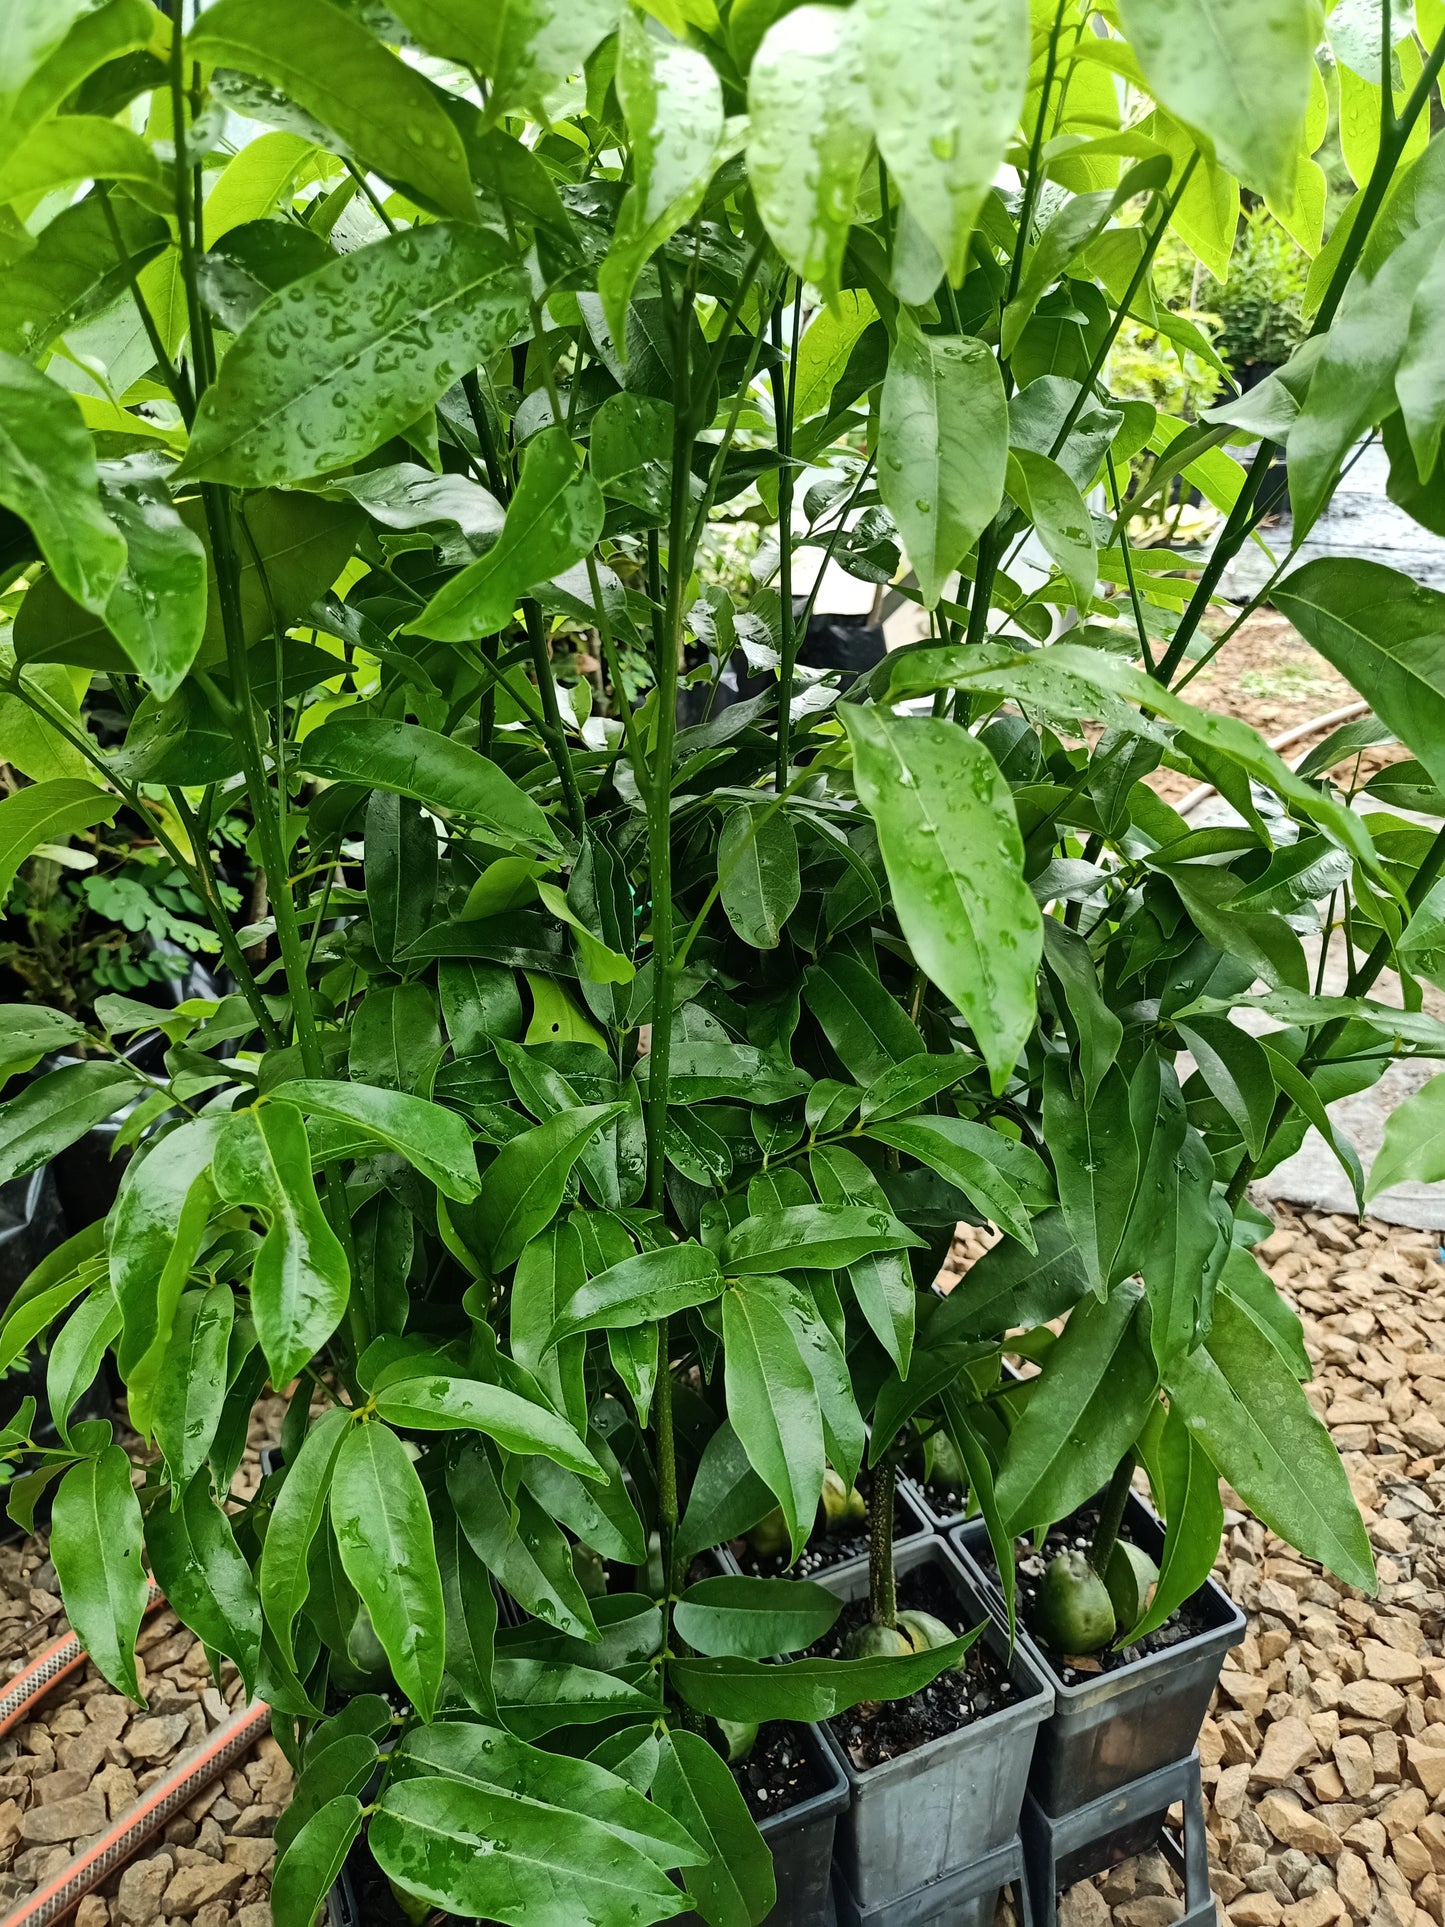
{"x": 1116, "y": 1727}
{"x": 912, "y": 1525}
{"x": 918, "y": 1823}
{"x": 925, "y": 1502}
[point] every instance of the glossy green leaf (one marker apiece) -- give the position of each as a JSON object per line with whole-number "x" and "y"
{"x": 380, "y": 108}
{"x": 96, "y": 1543}
{"x": 808, "y": 1689}
{"x": 206, "y": 1579}
{"x": 1096, "y": 1159}
{"x": 772, "y": 1403}
{"x": 1240, "y": 1400}
{"x": 300, "y": 1283}
{"x": 757, "y": 857}
{"x": 69, "y": 278}
{"x": 77, "y": 1352}
{"x": 527, "y": 1181}
{"x": 754, "y": 1618}
{"x": 526, "y": 50}
{"x": 191, "y": 1383}
{"x": 653, "y": 1284}
{"x": 1098, "y": 1384}
{"x": 882, "y": 1282}
{"x": 337, "y": 362}
{"x": 727, "y": 1496}
{"x": 435, "y": 1402}
{"x": 813, "y": 1237}
{"x": 970, "y": 1155}
{"x": 1239, "y": 73}
{"x": 306, "y": 1873}
{"x": 343, "y": 1767}
{"x": 809, "y": 128}
{"x": 296, "y": 1516}
{"x": 50, "y": 46}
{"x": 433, "y": 1140}
{"x": 1237, "y": 1070}
{"x": 58, "y": 1109}
{"x": 1052, "y": 502}
{"x": 735, "y": 1885}
{"x": 552, "y": 521}
{"x": 1383, "y": 632}
{"x": 160, "y": 1216}
{"x": 942, "y": 448}
{"x": 1194, "y": 1522}
{"x": 1414, "y": 1144}
{"x": 514, "y": 1858}
{"x": 79, "y": 147}
{"x": 538, "y": 1696}
{"x": 672, "y": 100}
{"x": 1254, "y": 1291}
{"x": 518, "y": 1542}
{"x": 1012, "y": 1286}
{"x": 947, "y": 85}
{"x": 435, "y": 770}
{"x": 866, "y": 1026}
{"x": 950, "y": 840}
{"x": 48, "y": 477}
{"x": 384, "y": 1534}
{"x": 601, "y": 1514}
{"x": 471, "y": 1620}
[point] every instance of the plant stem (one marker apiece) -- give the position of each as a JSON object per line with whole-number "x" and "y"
{"x": 667, "y": 1509}
{"x": 552, "y": 731}
{"x": 882, "y": 1579}
{"x": 1111, "y": 1512}
{"x": 784, "y": 396}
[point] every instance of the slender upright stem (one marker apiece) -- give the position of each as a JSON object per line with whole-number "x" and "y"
{"x": 882, "y": 1578}
{"x": 1111, "y": 1512}
{"x": 784, "y": 398}
{"x": 552, "y": 731}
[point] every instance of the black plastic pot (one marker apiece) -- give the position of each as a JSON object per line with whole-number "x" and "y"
{"x": 919, "y": 1825}
{"x": 920, "y": 1498}
{"x": 1116, "y": 1727}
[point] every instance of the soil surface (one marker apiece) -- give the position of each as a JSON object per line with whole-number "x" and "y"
{"x": 827, "y": 1549}
{"x": 780, "y": 1772}
{"x": 879, "y": 1731}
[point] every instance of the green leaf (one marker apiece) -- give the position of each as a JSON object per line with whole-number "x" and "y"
{"x": 754, "y": 1618}
{"x": 1092, "y": 1025}
{"x": 983, "y": 1492}
{"x": 1194, "y": 1522}
{"x": 772, "y": 1403}
{"x": 157, "y": 609}
{"x": 809, "y": 132}
{"x": 1012, "y": 1285}
{"x": 344, "y": 1766}
{"x": 160, "y": 1217}
{"x": 553, "y": 519}
{"x": 77, "y": 1353}
{"x": 882, "y": 1282}
{"x": 537, "y": 1696}
{"x": 735, "y": 1886}
{"x": 296, "y": 1516}
{"x": 1099, "y": 1381}
{"x": 813, "y": 1237}
{"x": 970, "y": 1155}
{"x": 435, "y": 770}
{"x": 396, "y": 1039}
{"x": 1237, "y": 1070}
{"x": 488, "y": 1758}
{"x": 601, "y": 1515}
{"x": 48, "y": 477}
{"x": 951, "y": 845}
{"x": 808, "y": 1689}
{"x": 191, "y": 1385}
{"x": 384, "y": 1534}
{"x": 299, "y": 1282}
{"x": 384, "y": 331}
{"x": 1383, "y": 632}
{"x": 436, "y": 1402}
{"x": 308, "y": 1870}
{"x": 1414, "y": 1144}
{"x": 1060, "y": 517}
{"x": 1238, "y": 72}
{"x": 1242, "y": 1402}
{"x": 47, "y": 813}
{"x": 58, "y": 1109}
{"x": 651, "y": 1285}
{"x": 514, "y": 1858}
{"x": 1078, "y": 222}
{"x": 727, "y": 1497}
{"x": 49, "y": 48}
{"x": 672, "y": 100}
{"x": 471, "y": 1619}
{"x": 947, "y": 86}
{"x": 72, "y": 274}
{"x": 942, "y": 446}
{"x": 435, "y": 1141}
{"x": 1096, "y": 1160}
{"x": 1253, "y": 1290}
{"x": 548, "y": 1273}
{"x": 80, "y": 147}
{"x": 526, "y": 50}
{"x": 757, "y": 857}
{"x": 866, "y": 1025}
{"x": 1301, "y": 1092}
{"x": 204, "y": 1576}
{"x": 96, "y": 1542}
{"x": 381, "y": 109}
{"x": 526, "y": 1183}
{"x": 519, "y": 1542}
{"x": 631, "y": 443}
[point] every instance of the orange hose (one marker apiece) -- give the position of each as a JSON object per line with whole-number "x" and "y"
{"x": 114, "y": 1847}
{"x": 48, "y": 1669}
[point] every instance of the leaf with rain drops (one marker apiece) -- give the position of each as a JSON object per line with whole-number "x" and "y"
{"x": 334, "y": 364}
{"x": 96, "y": 1542}
{"x": 526, "y": 49}
{"x": 950, "y": 839}
{"x": 384, "y": 1534}
{"x": 48, "y": 477}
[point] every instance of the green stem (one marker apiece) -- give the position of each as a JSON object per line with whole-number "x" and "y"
{"x": 1111, "y": 1513}
{"x": 882, "y": 1577}
{"x": 784, "y": 397}
{"x": 551, "y": 726}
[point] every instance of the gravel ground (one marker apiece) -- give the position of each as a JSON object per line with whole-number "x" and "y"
{"x": 1324, "y": 1754}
